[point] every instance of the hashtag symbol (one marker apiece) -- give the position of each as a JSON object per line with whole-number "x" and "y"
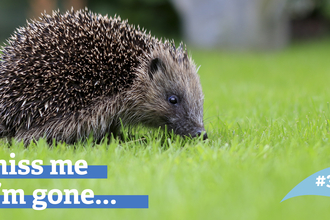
{"x": 320, "y": 181}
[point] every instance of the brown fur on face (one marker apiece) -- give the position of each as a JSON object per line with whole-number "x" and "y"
{"x": 161, "y": 76}
{"x": 61, "y": 80}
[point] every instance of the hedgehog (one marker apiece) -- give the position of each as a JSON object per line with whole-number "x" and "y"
{"x": 65, "y": 77}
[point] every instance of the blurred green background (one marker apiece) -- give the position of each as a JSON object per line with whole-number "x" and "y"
{"x": 225, "y": 24}
{"x": 13, "y": 13}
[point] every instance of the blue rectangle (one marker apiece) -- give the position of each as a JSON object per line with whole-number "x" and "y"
{"x": 93, "y": 172}
{"x": 121, "y": 201}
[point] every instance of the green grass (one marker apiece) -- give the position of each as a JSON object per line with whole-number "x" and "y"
{"x": 267, "y": 117}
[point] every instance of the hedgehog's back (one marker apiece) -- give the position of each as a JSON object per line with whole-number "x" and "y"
{"x": 61, "y": 64}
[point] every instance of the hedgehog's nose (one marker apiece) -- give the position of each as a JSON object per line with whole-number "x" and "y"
{"x": 199, "y": 133}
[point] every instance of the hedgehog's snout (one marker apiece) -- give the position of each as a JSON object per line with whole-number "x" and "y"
{"x": 199, "y": 133}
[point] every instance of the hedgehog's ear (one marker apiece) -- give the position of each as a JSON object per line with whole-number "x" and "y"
{"x": 154, "y": 66}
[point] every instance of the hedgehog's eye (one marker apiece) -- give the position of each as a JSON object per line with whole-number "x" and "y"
{"x": 173, "y": 99}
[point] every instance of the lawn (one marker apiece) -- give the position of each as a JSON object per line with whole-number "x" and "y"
{"x": 267, "y": 117}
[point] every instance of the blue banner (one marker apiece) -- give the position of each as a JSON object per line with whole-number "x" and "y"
{"x": 91, "y": 172}
{"x": 96, "y": 201}
{"x": 316, "y": 184}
